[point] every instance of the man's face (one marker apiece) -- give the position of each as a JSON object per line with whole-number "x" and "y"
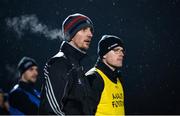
{"x": 30, "y": 75}
{"x": 82, "y": 38}
{"x": 114, "y": 58}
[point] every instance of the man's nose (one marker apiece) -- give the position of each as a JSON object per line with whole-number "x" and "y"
{"x": 121, "y": 53}
{"x": 90, "y": 34}
{"x": 36, "y": 72}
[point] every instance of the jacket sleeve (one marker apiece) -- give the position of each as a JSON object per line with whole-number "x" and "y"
{"x": 97, "y": 86}
{"x": 55, "y": 87}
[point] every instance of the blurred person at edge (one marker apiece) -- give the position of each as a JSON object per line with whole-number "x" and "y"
{"x": 4, "y": 105}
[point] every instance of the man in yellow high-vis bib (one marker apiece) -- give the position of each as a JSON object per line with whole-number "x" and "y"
{"x": 107, "y": 97}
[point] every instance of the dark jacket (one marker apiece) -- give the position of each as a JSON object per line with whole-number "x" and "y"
{"x": 65, "y": 86}
{"x": 3, "y": 111}
{"x": 97, "y": 84}
{"x": 24, "y": 99}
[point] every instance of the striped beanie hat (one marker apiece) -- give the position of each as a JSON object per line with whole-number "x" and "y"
{"x": 75, "y": 22}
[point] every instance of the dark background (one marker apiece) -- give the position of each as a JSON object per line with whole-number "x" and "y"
{"x": 149, "y": 28}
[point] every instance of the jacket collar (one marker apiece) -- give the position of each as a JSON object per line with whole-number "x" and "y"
{"x": 112, "y": 75}
{"x": 73, "y": 54}
{"x": 26, "y": 86}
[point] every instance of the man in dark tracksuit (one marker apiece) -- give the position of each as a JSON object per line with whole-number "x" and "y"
{"x": 65, "y": 86}
{"x": 24, "y": 99}
{"x": 107, "y": 96}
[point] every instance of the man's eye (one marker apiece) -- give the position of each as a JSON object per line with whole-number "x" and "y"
{"x": 84, "y": 29}
{"x": 116, "y": 50}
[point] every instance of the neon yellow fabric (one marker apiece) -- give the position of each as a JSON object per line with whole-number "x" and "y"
{"x": 112, "y": 97}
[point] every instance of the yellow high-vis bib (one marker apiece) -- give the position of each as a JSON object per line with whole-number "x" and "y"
{"x": 112, "y": 97}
